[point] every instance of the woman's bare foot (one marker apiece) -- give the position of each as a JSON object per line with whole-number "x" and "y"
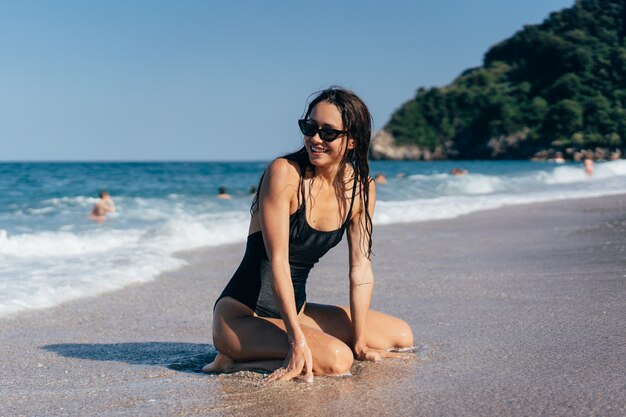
{"x": 221, "y": 364}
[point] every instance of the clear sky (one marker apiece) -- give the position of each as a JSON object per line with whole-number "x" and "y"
{"x": 221, "y": 80}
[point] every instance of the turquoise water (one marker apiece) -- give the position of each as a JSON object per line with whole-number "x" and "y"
{"x": 44, "y": 196}
{"x": 48, "y": 245}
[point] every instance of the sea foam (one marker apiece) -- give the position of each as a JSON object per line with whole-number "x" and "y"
{"x": 59, "y": 266}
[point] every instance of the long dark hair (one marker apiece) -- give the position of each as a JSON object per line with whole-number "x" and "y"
{"x": 357, "y": 120}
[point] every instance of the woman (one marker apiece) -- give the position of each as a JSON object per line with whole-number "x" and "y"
{"x": 306, "y": 200}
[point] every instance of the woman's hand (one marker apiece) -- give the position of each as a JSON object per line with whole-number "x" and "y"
{"x": 374, "y": 355}
{"x": 298, "y": 359}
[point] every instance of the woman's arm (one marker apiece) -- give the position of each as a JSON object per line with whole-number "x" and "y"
{"x": 361, "y": 274}
{"x": 362, "y": 282}
{"x": 277, "y": 190}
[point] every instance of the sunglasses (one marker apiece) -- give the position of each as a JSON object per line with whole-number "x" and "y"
{"x": 309, "y": 128}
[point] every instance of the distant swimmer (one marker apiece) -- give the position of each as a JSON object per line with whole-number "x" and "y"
{"x": 589, "y": 166}
{"x": 103, "y": 206}
{"x": 458, "y": 171}
{"x": 380, "y": 178}
{"x": 558, "y": 158}
{"x": 223, "y": 193}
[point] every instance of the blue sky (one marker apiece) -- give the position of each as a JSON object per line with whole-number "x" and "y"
{"x": 209, "y": 80}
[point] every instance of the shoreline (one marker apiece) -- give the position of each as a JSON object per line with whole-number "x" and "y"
{"x": 516, "y": 311}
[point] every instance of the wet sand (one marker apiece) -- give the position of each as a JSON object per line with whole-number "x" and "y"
{"x": 518, "y": 311}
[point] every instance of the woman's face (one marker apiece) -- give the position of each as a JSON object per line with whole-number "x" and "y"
{"x": 323, "y": 153}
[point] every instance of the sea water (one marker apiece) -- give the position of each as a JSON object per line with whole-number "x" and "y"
{"x": 50, "y": 251}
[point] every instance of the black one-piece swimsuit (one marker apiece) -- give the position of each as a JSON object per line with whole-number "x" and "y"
{"x": 252, "y": 282}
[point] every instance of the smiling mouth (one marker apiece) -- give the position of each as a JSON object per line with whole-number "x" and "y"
{"x": 319, "y": 149}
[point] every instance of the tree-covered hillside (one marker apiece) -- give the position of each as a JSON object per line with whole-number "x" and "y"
{"x": 557, "y": 86}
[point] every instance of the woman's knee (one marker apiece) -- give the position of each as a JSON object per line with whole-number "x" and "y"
{"x": 225, "y": 317}
{"x": 338, "y": 358}
{"x": 220, "y": 336}
{"x": 404, "y": 335}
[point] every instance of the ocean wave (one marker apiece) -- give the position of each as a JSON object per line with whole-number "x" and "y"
{"x": 55, "y": 267}
{"x": 471, "y": 184}
{"x": 447, "y": 207}
{"x": 63, "y": 244}
{"x": 63, "y": 202}
{"x": 56, "y": 280}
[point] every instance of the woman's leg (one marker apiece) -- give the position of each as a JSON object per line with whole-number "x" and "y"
{"x": 248, "y": 342}
{"x": 382, "y": 330}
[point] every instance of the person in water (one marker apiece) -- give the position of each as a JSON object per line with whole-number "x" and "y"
{"x": 458, "y": 171}
{"x": 380, "y": 178}
{"x": 223, "y": 193}
{"x": 305, "y": 202}
{"x": 588, "y": 164}
{"x": 103, "y": 206}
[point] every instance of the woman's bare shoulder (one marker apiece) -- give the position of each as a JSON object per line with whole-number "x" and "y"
{"x": 283, "y": 171}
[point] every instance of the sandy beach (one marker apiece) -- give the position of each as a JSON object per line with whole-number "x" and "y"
{"x": 517, "y": 311}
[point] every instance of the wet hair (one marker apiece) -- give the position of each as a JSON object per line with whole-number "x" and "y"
{"x": 221, "y": 190}
{"x": 102, "y": 193}
{"x": 357, "y": 121}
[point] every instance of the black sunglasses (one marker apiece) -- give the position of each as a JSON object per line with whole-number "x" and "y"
{"x": 309, "y": 128}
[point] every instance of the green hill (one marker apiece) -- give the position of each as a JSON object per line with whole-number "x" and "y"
{"x": 559, "y": 86}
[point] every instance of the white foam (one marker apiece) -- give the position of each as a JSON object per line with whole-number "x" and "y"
{"x": 571, "y": 174}
{"x": 64, "y": 243}
{"x": 43, "y": 210}
{"x": 70, "y": 201}
{"x": 55, "y": 267}
{"x": 563, "y": 175}
{"x": 471, "y": 184}
{"x": 50, "y": 282}
{"x": 610, "y": 169}
{"x": 453, "y": 206}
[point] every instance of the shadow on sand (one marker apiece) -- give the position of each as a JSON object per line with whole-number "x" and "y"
{"x": 183, "y": 357}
